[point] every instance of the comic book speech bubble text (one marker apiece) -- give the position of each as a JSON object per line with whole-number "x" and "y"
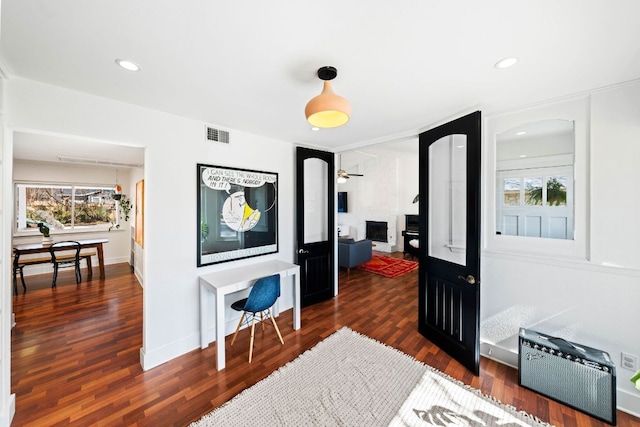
{"x": 221, "y": 179}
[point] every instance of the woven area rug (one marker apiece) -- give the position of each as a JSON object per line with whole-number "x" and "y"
{"x": 352, "y": 380}
{"x": 387, "y": 266}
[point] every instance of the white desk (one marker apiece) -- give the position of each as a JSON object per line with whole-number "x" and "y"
{"x": 226, "y": 282}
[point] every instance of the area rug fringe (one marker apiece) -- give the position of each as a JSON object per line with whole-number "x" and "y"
{"x": 208, "y": 419}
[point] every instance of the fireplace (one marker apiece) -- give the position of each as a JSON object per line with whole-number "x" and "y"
{"x": 377, "y": 231}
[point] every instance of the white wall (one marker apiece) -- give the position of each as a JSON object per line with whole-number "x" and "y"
{"x": 589, "y": 296}
{"x": 118, "y": 248}
{"x": 407, "y": 191}
{"x": 174, "y": 145}
{"x": 387, "y": 189}
{"x": 7, "y": 400}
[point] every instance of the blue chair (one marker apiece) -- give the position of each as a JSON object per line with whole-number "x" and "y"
{"x": 263, "y": 295}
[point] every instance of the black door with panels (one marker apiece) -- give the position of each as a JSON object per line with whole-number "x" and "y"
{"x": 315, "y": 224}
{"x": 449, "y": 245}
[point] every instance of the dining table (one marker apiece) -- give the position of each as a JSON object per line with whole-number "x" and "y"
{"x": 38, "y": 248}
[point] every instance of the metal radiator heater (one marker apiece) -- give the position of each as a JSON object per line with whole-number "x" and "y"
{"x": 576, "y": 375}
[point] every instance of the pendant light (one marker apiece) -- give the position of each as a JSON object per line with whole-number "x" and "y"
{"x": 327, "y": 110}
{"x": 117, "y": 194}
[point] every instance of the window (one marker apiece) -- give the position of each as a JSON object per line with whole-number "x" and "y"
{"x": 536, "y": 202}
{"x": 65, "y": 207}
{"x": 511, "y": 192}
{"x": 548, "y": 136}
{"x": 533, "y": 191}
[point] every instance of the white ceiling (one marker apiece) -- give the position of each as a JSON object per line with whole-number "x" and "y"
{"x": 251, "y": 65}
{"x": 56, "y": 149}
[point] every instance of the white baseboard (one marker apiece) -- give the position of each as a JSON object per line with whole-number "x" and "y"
{"x": 628, "y": 402}
{"x": 499, "y": 354}
{"x": 138, "y": 274}
{"x": 149, "y": 360}
{"x": 7, "y": 417}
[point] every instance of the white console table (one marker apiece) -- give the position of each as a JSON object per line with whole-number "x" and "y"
{"x": 226, "y": 282}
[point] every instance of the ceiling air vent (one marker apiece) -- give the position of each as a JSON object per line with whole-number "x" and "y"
{"x": 216, "y": 135}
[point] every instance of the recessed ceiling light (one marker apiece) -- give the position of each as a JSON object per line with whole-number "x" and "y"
{"x": 128, "y": 65}
{"x": 315, "y": 129}
{"x": 506, "y": 63}
{"x": 522, "y": 156}
{"x": 520, "y": 133}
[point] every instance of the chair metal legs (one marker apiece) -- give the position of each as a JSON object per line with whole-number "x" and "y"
{"x": 253, "y": 327}
{"x": 55, "y": 274}
{"x": 15, "y": 279}
{"x": 78, "y": 273}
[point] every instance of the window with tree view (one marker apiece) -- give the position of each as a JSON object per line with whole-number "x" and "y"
{"x": 535, "y": 202}
{"x": 65, "y": 207}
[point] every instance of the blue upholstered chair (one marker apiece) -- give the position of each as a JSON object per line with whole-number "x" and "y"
{"x": 263, "y": 295}
{"x": 352, "y": 253}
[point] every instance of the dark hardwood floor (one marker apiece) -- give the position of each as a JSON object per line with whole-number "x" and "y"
{"x": 76, "y": 351}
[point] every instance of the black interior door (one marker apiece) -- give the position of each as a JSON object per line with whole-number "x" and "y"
{"x": 449, "y": 274}
{"x": 315, "y": 207}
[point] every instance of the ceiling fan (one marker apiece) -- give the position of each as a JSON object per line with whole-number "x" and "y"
{"x": 343, "y": 175}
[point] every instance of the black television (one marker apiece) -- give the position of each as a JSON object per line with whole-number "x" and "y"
{"x": 342, "y": 201}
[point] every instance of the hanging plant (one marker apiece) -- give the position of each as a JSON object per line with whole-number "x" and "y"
{"x": 125, "y": 208}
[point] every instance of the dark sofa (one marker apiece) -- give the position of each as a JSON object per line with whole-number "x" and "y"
{"x": 352, "y": 253}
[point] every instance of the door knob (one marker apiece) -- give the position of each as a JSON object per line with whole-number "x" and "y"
{"x": 302, "y": 251}
{"x": 469, "y": 279}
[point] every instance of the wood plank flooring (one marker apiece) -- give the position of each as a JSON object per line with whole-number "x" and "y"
{"x": 76, "y": 351}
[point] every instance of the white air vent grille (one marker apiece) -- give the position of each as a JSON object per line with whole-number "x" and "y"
{"x": 216, "y": 135}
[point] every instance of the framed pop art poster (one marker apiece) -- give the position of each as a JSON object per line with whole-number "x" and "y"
{"x": 237, "y": 213}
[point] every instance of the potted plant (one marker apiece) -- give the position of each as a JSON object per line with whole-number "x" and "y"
{"x": 46, "y": 237}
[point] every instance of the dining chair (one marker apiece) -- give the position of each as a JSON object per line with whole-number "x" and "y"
{"x": 65, "y": 254}
{"x": 262, "y": 296}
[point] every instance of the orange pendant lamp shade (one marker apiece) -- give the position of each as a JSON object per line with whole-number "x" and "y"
{"x": 327, "y": 110}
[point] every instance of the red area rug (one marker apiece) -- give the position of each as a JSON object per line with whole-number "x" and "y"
{"x": 387, "y": 266}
